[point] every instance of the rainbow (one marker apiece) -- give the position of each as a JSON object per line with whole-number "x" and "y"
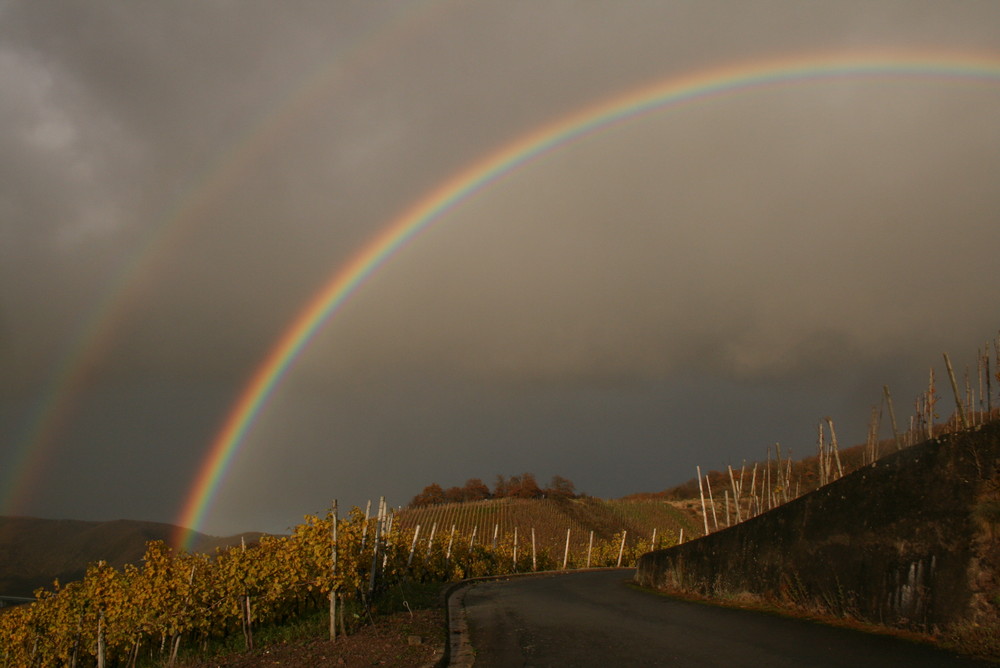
{"x": 527, "y": 148}
{"x": 94, "y": 339}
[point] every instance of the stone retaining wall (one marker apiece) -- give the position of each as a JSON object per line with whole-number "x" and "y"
{"x": 899, "y": 542}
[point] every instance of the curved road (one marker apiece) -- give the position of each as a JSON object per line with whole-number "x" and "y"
{"x": 594, "y": 618}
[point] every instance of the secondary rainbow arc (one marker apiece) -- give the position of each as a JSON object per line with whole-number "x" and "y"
{"x": 94, "y": 339}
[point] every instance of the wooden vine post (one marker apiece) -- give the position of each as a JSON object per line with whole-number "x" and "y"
{"x": 413, "y": 547}
{"x": 970, "y": 400}
{"x": 364, "y": 527}
{"x": 430, "y": 541}
{"x": 736, "y": 494}
{"x": 701, "y": 493}
{"x": 711, "y": 502}
{"x": 245, "y": 612}
{"x": 100, "y": 641}
{"x": 375, "y": 544}
{"x": 778, "y": 472}
{"x": 766, "y": 493}
{"x": 333, "y": 573}
{"x": 566, "y": 551}
{"x": 892, "y": 417}
{"x": 954, "y": 388}
{"x": 788, "y": 477}
{"x": 451, "y": 539}
{"x": 871, "y": 446}
{"x": 981, "y": 409}
{"x": 176, "y": 644}
{"x": 989, "y": 390}
{"x": 930, "y": 404}
{"x": 834, "y": 448}
{"x": 821, "y": 458}
{"x": 534, "y": 563}
{"x": 621, "y": 550}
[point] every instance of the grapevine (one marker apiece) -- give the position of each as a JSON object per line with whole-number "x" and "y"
{"x": 175, "y": 598}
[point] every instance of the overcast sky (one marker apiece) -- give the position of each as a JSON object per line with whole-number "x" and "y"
{"x": 687, "y": 288}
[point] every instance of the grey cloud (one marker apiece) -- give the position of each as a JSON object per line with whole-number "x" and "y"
{"x": 782, "y": 251}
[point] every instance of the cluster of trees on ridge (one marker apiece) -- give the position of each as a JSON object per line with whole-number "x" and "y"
{"x": 523, "y": 486}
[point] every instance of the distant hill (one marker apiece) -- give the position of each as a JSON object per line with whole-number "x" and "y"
{"x": 34, "y": 552}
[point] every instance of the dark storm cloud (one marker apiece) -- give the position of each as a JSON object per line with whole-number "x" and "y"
{"x": 780, "y": 252}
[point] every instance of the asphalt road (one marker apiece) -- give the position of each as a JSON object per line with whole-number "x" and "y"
{"x": 596, "y": 619}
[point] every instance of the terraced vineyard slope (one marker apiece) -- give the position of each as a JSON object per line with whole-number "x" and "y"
{"x": 496, "y": 519}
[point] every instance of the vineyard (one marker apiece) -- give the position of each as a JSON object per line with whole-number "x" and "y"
{"x": 587, "y": 521}
{"x": 143, "y": 615}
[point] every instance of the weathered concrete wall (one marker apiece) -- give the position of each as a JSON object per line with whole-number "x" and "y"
{"x": 891, "y": 543}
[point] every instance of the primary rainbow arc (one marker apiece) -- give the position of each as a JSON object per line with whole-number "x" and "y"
{"x": 667, "y": 93}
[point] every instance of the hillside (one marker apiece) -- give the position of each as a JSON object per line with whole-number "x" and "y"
{"x": 550, "y": 518}
{"x": 34, "y": 552}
